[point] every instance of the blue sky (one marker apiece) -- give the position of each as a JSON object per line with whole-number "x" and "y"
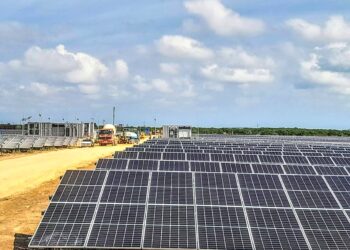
{"x": 199, "y": 62}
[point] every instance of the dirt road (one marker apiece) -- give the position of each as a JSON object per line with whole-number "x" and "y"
{"x": 27, "y": 181}
{"x": 20, "y": 174}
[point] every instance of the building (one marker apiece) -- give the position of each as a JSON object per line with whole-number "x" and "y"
{"x": 175, "y": 131}
{"x": 80, "y": 130}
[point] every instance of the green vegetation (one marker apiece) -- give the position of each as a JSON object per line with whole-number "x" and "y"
{"x": 272, "y": 131}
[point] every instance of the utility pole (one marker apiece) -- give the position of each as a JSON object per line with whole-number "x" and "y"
{"x": 113, "y": 115}
{"x": 155, "y": 122}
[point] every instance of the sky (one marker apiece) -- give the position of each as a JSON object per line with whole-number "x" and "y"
{"x": 212, "y": 63}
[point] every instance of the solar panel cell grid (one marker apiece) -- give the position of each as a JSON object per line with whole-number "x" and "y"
{"x": 174, "y": 166}
{"x": 171, "y": 195}
{"x": 159, "y": 203}
{"x": 83, "y": 177}
{"x": 121, "y": 178}
{"x": 268, "y": 169}
{"x": 303, "y": 182}
{"x": 331, "y": 170}
{"x": 272, "y": 218}
{"x": 265, "y": 198}
{"x": 66, "y": 235}
{"x": 312, "y": 199}
{"x": 299, "y": 169}
{"x": 267, "y": 238}
{"x": 121, "y": 194}
{"x": 116, "y": 236}
{"x": 69, "y": 193}
{"x": 197, "y": 166}
{"x": 259, "y": 181}
{"x": 69, "y": 213}
{"x": 171, "y": 179}
{"x": 236, "y": 167}
{"x": 217, "y": 196}
{"x": 215, "y": 180}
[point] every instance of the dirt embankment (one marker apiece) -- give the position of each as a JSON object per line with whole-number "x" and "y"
{"x": 27, "y": 180}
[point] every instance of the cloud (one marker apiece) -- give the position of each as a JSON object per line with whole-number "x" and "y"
{"x": 75, "y": 67}
{"x": 224, "y": 21}
{"x": 190, "y": 26}
{"x": 337, "y": 54}
{"x": 158, "y": 85}
{"x": 42, "y": 89}
{"x": 14, "y": 32}
{"x": 236, "y": 75}
{"x": 335, "y": 29}
{"x": 319, "y": 69}
{"x": 239, "y": 57}
{"x": 121, "y": 69}
{"x": 169, "y": 68}
{"x": 182, "y": 47}
{"x": 58, "y": 66}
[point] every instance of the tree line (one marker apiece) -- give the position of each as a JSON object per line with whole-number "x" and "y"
{"x": 271, "y": 131}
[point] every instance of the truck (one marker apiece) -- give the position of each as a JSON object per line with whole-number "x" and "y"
{"x": 107, "y": 135}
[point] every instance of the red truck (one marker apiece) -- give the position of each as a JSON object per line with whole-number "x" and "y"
{"x": 107, "y": 136}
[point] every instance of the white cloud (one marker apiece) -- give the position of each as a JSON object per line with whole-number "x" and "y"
{"x": 337, "y": 54}
{"x": 58, "y": 67}
{"x": 158, "y": 85}
{"x": 239, "y": 57}
{"x": 214, "y": 86}
{"x": 236, "y": 75}
{"x": 89, "y": 89}
{"x": 222, "y": 20}
{"x": 14, "y": 32}
{"x": 169, "y": 68}
{"x": 190, "y": 26}
{"x": 121, "y": 69}
{"x": 76, "y": 67}
{"x": 41, "y": 88}
{"x": 183, "y": 47}
{"x": 319, "y": 69}
{"x": 335, "y": 29}
{"x": 161, "y": 86}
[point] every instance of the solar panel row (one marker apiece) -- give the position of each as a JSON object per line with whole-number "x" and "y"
{"x": 214, "y": 194}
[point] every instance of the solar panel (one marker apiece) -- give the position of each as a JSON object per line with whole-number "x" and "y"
{"x": 174, "y": 166}
{"x": 236, "y": 167}
{"x": 83, "y": 177}
{"x": 325, "y": 170}
{"x": 222, "y": 228}
{"x": 143, "y": 165}
{"x": 112, "y": 164}
{"x": 239, "y": 194}
{"x": 222, "y": 157}
{"x": 268, "y": 169}
{"x": 265, "y": 198}
{"x": 77, "y": 193}
{"x": 174, "y": 156}
{"x": 270, "y": 159}
{"x": 295, "y": 159}
{"x": 341, "y": 161}
{"x": 320, "y": 160}
{"x": 150, "y": 155}
{"x": 247, "y": 158}
{"x": 312, "y": 199}
{"x": 299, "y": 169}
{"x": 126, "y": 155}
{"x": 202, "y": 166}
{"x": 197, "y": 157}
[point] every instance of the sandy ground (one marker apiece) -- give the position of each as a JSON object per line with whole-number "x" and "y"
{"x": 27, "y": 180}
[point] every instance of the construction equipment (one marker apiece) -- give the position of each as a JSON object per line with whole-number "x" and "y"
{"x": 107, "y": 135}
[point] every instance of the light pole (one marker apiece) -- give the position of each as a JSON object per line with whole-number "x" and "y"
{"x": 155, "y": 122}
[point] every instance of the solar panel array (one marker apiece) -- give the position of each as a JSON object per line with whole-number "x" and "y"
{"x": 205, "y": 194}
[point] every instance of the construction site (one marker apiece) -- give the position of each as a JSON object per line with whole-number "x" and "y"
{"x": 175, "y": 125}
